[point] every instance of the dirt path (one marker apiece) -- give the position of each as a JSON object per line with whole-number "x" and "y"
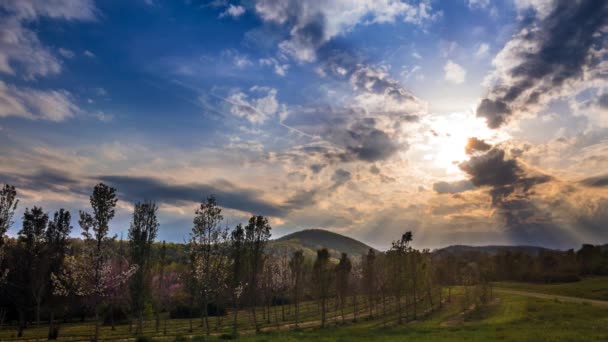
{"x": 552, "y": 296}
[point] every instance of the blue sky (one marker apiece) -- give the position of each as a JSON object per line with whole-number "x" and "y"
{"x": 348, "y": 115}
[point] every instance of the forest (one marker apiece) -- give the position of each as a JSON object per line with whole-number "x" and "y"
{"x": 48, "y": 278}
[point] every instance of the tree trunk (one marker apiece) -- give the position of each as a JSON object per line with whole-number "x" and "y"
{"x": 355, "y": 308}
{"x": 21, "y": 326}
{"x": 112, "y": 316}
{"x": 235, "y": 321}
{"x": 96, "y": 337}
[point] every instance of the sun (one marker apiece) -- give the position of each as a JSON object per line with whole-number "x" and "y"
{"x": 447, "y": 140}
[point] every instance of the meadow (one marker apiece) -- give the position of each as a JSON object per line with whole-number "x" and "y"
{"x": 508, "y": 317}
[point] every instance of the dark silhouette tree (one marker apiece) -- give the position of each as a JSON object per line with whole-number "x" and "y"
{"x": 369, "y": 279}
{"x": 296, "y": 265}
{"x": 237, "y": 251}
{"x": 322, "y": 280}
{"x": 257, "y": 234}
{"x": 142, "y": 233}
{"x": 343, "y": 270}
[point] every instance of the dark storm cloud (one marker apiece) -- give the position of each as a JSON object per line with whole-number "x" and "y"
{"x": 135, "y": 189}
{"x": 502, "y": 175}
{"x": 476, "y": 145}
{"x": 340, "y": 177}
{"x": 46, "y": 180}
{"x": 598, "y": 181}
{"x": 368, "y": 143}
{"x": 453, "y": 187}
{"x": 355, "y": 137}
{"x": 564, "y": 45}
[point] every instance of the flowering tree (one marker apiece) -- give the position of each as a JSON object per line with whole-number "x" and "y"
{"x": 207, "y": 242}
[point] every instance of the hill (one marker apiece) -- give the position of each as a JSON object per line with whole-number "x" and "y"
{"x": 458, "y": 249}
{"x": 311, "y": 240}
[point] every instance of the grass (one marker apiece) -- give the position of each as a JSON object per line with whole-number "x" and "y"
{"x": 509, "y": 318}
{"x": 589, "y": 288}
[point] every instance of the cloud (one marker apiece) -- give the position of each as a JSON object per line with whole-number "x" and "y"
{"x": 454, "y": 72}
{"x": 340, "y": 177}
{"x": 311, "y": 24}
{"x": 478, "y": 3}
{"x": 597, "y": 181}
{"x": 66, "y": 53}
{"x": 553, "y": 55}
{"x": 51, "y": 105}
{"x": 233, "y": 11}
{"x": 89, "y": 54}
{"x": 279, "y": 68}
{"x": 482, "y": 51}
{"x": 20, "y": 49}
{"x": 453, "y": 187}
{"x": 134, "y": 189}
{"x": 255, "y": 110}
{"x": 476, "y": 145}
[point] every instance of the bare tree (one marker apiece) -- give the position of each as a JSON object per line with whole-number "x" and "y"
{"x": 322, "y": 280}
{"x": 343, "y": 270}
{"x": 296, "y": 265}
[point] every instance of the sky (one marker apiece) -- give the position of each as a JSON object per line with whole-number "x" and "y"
{"x": 464, "y": 121}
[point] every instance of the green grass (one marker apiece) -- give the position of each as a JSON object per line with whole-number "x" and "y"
{"x": 510, "y": 318}
{"x": 590, "y": 288}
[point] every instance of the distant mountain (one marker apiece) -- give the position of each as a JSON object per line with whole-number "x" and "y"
{"x": 459, "y": 249}
{"x": 311, "y": 240}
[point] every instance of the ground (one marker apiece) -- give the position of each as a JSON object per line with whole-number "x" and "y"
{"x": 515, "y": 314}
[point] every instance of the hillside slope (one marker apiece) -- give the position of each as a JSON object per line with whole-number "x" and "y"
{"x": 311, "y": 240}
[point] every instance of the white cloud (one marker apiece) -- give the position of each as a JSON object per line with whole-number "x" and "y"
{"x": 233, "y": 11}
{"x": 454, "y": 73}
{"x": 256, "y": 110}
{"x": 55, "y": 9}
{"x": 88, "y": 54}
{"x": 312, "y": 24}
{"x": 53, "y": 105}
{"x": 482, "y": 50}
{"x": 279, "y": 68}
{"x": 66, "y": 53}
{"x": 20, "y": 47}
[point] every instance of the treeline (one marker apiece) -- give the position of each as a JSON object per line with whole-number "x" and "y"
{"x": 222, "y": 272}
{"x": 546, "y": 266}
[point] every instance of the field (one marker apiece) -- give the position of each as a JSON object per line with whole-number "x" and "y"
{"x": 510, "y": 317}
{"x": 590, "y": 288}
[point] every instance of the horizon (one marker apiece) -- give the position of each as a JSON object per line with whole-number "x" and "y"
{"x": 473, "y": 122}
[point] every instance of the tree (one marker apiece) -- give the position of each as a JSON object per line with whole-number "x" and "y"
{"x": 237, "y": 251}
{"x": 95, "y": 232}
{"x": 397, "y": 261}
{"x": 142, "y": 233}
{"x": 322, "y": 280}
{"x": 159, "y": 287}
{"x": 207, "y": 239}
{"x": 343, "y": 270}
{"x": 369, "y": 278}
{"x": 33, "y": 237}
{"x": 296, "y": 265}
{"x": 257, "y": 234}
{"x": 8, "y": 205}
{"x": 57, "y": 239}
